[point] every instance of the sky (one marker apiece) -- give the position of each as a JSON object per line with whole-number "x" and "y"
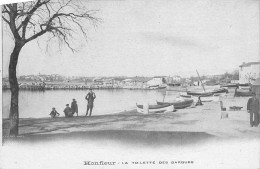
{"x": 153, "y": 37}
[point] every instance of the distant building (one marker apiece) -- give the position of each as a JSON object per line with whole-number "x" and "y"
{"x": 173, "y": 79}
{"x": 249, "y": 72}
{"x": 235, "y": 81}
{"x": 176, "y": 79}
{"x": 157, "y": 81}
{"x": 97, "y": 81}
{"x": 198, "y": 83}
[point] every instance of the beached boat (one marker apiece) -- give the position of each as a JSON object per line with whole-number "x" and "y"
{"x": 229, "y": 85}
{"x": 174, "y": 84}
{"x": 181, "y": 104}
{"x": 201, "y": 94}
{"x": 242, "y": 93}
{"x": 220, "y": 90}
{"x": 156, "y": 108}
{"x": 185, "y": 96}
{"x": 207, "y": 93}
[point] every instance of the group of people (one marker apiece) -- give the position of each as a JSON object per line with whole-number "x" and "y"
{"x": 253, "y": 107}
{"x": 69, "y": 111}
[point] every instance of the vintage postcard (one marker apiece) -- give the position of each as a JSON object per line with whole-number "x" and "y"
{"x": 130, "y": 84}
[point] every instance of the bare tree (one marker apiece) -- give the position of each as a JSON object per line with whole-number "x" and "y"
{"x": 250, "y": 77}
{"x": 58, "y": 20}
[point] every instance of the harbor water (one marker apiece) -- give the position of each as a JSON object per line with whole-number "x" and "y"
{"x": 37, "y": 104}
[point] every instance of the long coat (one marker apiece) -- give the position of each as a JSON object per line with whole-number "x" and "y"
{"x": 90, "y": 98}
{"x": 253, "y": 105}
{"x": 74, "y": 106}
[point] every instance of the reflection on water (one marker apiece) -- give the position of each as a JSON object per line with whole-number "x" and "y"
{"x": 38, "y": 104}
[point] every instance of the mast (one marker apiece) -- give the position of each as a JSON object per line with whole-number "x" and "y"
{"x": 200, "y": 80}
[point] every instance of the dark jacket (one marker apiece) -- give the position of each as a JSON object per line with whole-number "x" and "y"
{"x": 74, "y": 106}
{"x": 90, "y": 98}
{"x": 253, "y": 105}
{"x": 67, "y": 111}
{"x": 54, "y": 113}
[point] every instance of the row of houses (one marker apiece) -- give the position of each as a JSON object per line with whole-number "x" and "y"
{"x": 136, "y": 82}
{"x": 248, "y": 73}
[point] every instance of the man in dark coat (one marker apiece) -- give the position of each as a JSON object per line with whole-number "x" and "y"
{"x": 67, "y": 111}
{"x": 253, "y": 109}
{"x": 74, "y": 107}
{"x": 90, "y": 98}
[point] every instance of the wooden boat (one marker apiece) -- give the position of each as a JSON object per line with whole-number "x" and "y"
{"x": 207, "y": 93}
{"x": 156, "y": 108}
{"x": 174, "y": 84}
{"x": 201, "y": 94}
{"x": 185, "y": 96}
{"x": 229, "y": 85}
{"x": 247, "y": 84}
{"x": 234, "y": 108}
{"x": 157, "y": 87}
{"x": 220, "y": 90}
{"x": 178, "y": 104}
{"x": 242, "y": 93}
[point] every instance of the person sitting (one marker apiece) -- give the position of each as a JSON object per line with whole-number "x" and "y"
{"x": 199, "y": 102}
{"x": 54, "y": 113}
{"x": 67, "y": 111}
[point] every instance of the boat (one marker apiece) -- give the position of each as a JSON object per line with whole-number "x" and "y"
{"x": 156, "y": 108}
{"x": 229, "y": 85}
{"x": 174, "y": 84}
{"x": 157, "y": 87}
{"x": 234, "y": 108}
{"x": 242, "y": 93}
{"x": 220, "y": 90}
{"x": 185, "y": 96}
{"x": 207, "y": 93}
{"x": 201, "y": 94}
{"x": 181, "y": 104}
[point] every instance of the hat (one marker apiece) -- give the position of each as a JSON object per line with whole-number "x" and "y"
{"x": 254, "y": 93}
{"x": 53, "y": 108}
{"x": 67, "y": 104}
{"x": 73, "y": 99}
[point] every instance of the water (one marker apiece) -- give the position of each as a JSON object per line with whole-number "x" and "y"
{"x": 36, "y": 104}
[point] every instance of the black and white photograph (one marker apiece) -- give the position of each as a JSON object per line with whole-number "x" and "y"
{"x": 130, "y": 84}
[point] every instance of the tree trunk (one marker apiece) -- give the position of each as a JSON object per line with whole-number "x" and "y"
{"x": 14, "y": 109}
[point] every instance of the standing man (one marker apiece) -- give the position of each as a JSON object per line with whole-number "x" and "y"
{"x": 90, "y": 98}
{"x": 74, "y": 107}
{"x": 253, "y": 109}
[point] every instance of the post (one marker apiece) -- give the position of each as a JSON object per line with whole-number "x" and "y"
{"x": 146, "y": 108}
{"x": 200, "y": 80}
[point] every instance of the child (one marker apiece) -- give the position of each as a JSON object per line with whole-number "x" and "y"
{"x": 54, "y": 113}
{"x": 199, "y": 103}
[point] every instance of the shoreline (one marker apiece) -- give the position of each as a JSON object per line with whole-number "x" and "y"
{"x": 185, "y": 126}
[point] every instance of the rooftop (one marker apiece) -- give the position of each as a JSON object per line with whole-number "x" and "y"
{"x": 249, "y": 64}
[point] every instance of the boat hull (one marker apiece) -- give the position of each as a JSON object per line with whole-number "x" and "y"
{"x": 201, "y": 94}
{"x": 243, "y": 93}
{"x": 156, "y": 108}
{"x": 178, "y": 104}
{"x": 221, "y": 90}
{"x": 207, "y": 93}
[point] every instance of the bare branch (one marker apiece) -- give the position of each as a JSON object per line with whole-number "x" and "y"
{"x": 62, "y": 19}
{"x": 30, "y": 14}
{"x": 6, "y": 20}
